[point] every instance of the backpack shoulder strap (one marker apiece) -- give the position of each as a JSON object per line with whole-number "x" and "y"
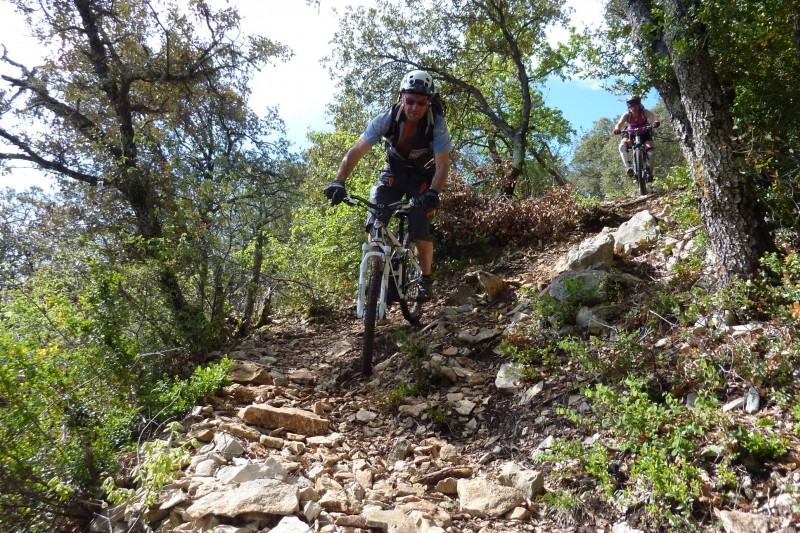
{"x": 436, "y": 108}
{"x": 394, "y": 125}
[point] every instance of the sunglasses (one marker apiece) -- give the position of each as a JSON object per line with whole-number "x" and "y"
{"x": 411, "y": 102}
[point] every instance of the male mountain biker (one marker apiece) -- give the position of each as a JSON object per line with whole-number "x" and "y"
{"x": 636, "y": 117}
{"x": 417, "y": 144}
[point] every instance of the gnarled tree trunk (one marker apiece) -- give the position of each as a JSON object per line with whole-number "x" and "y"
{"x": 692, "y": 92}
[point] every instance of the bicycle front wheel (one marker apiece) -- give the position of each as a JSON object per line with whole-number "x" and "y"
{"x": 638, "y": 168}
{"x": 409, "y": 306}
{"x": 371, "y": 302}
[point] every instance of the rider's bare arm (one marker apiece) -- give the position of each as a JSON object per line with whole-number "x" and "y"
{"x": 442, "y": 161}
{"x": 621, "y": 122}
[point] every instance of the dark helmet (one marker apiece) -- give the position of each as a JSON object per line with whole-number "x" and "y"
{"x": 633, "y": 100}
{"x": 418, "y": 82}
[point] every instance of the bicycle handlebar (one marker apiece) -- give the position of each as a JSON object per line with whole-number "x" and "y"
{"x": 634, "y": 131}
{"x": 403, "y": 206}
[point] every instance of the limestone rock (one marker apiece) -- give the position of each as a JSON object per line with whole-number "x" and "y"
{"x": 265, "y": 496}
{"x": 636, "y": 235}
{"x": 594, "y": 253}
{"x": 739, "y": 522}
{"x": 529, "y": 482}
{"x": 247, "y": 372}
{"x": 508, "y": 378}
{"x": 482, "y": 498}
{"x": 293, "y": 419}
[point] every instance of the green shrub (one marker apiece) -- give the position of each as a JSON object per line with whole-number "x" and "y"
{"x": 419, "y": 357}
{"x": 759, "y": 446}
{"x": 581, "y": 460}
{"x": 394, "y": 398}
{"x": 76, "y": 387}
{"x": 684, "y": 204}
{"x": 174, "y": 397}
{"x": 772, "y": 362}
{"x": 315, "y": 259}
{"x": 532, "y": 348}
{"x": 564, "y": 507}
{"x": 577, "y": 293}
{"x": 660, "y": 440}
{"x": 438, "y": 416}
{"x": 696, "y": 372}
{"x": 159, "y": 464}
{"x": 584, "y": 354}
{"x": 627, "y": 354}
{"x": 687, "y": 271}
{"x": 781, "y": 282}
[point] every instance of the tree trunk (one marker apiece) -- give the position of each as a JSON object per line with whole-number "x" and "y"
{"x": 253, "y": 285}
{"x": 737, "y": 231}
{"x": 266, "y": 310}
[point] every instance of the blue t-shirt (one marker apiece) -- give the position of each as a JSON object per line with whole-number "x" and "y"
{"x": 381, "y": 124}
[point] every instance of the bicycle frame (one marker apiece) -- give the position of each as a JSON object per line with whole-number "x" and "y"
{"x": 640, "y": 159}
{"x": 399, "y": 272}
{"x": 382, "y": 243}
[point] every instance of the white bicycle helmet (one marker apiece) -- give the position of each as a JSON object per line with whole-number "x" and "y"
{"x": 417, "y": 82}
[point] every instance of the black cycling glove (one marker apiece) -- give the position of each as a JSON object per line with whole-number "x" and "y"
{"x": 335, "y": 192}
{"x": 429, "y": 200}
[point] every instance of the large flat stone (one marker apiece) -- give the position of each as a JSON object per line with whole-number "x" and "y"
{"x": 293, "y": 419}
{"x": 267, "y": 496}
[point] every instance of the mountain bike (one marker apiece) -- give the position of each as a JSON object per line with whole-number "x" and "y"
{"x": 382, "y": 282}
{"x": 641, "y": 172}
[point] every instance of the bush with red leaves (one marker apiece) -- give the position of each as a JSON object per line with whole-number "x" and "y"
{"x": 467, "y": 217}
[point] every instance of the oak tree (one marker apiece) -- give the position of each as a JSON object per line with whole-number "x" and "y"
{"x": 97, "y": 110}
{"x": 490, "y": 58}
{"x": 675, "y": 52}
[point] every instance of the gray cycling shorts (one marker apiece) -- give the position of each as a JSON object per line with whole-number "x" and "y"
{"x": 387, "y": 190}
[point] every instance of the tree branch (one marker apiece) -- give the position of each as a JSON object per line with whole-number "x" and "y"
{"x": 46, "y": 164}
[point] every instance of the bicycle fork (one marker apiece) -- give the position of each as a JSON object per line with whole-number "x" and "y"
{"x": 368, "y": 252}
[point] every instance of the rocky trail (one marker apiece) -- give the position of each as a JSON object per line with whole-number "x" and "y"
{"x": 299, "y": 442}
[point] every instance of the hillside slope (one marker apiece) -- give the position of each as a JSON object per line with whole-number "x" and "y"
{"x": 435, "y": 440}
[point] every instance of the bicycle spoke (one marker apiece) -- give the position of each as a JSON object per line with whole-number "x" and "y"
{"x": 410, "y": 307}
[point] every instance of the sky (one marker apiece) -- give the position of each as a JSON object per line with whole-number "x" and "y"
{"x": 301, "y": 87}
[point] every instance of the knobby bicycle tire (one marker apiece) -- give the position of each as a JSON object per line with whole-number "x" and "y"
{"x": 638, "y": 167}
{"x": 375, "y": 277}
{"x": 410, "y": 307}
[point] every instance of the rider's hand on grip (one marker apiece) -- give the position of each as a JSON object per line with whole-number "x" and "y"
{"x": 429, "y": 200}
{"x": 616, "y": 131}
{"x": 656, "y": 124}
{"x": 335, "y": 192}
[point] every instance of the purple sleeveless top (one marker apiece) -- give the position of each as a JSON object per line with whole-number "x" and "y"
{"x": 635, "y": 124}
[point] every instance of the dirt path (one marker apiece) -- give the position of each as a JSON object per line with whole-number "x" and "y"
{"x": 398, "y": 447}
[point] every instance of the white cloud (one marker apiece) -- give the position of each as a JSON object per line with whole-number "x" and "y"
{"x": 20, "y": 45}
{"x": 584, "y": 14}
{"x": 301, "y": 87}
{"x": 590, "y": 84}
